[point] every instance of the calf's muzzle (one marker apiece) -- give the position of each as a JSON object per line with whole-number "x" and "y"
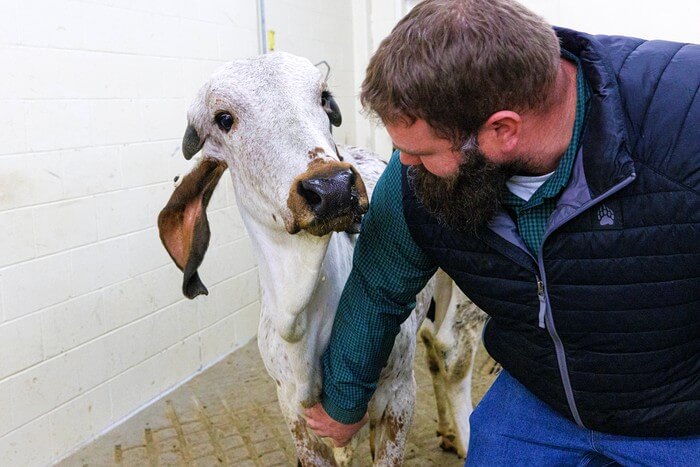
{"x": 329, "y": 196}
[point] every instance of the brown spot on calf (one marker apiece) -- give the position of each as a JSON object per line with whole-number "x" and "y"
{"x": 316, "y": 152}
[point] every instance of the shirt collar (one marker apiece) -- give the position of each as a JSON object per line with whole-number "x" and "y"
{"x": 559, "y": 179}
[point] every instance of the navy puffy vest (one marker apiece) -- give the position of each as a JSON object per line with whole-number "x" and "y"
{"x": 612, "y": 339}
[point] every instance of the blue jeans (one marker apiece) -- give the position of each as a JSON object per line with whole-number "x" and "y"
{"x": 512, "y": 427}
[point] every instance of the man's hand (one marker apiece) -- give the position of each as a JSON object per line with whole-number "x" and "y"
{"x": 325, "y": 427}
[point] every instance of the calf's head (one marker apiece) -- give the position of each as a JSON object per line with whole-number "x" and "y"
{"x": 268, "y": 120}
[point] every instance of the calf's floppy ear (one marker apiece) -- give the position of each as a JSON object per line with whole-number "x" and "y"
{"x": 183, "y": 224}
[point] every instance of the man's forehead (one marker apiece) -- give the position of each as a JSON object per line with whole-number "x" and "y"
{"x": 413, "y": 137}
{"x": 404, "y": 130}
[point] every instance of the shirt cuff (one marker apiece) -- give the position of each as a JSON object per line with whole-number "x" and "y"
{"x": 342, "y": 415}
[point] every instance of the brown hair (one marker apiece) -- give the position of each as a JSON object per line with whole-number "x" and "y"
{"x": 453, "y": 63}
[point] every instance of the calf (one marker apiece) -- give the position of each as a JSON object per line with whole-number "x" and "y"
{"x": 268, "y": 121}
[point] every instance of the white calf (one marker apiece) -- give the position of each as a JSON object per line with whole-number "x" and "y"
{"x": 268, "y": 121}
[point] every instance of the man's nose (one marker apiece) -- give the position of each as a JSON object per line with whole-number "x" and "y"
{"x": 407, "y": 159}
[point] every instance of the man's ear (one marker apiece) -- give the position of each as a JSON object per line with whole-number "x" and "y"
{"x": 499, "y": 136}
{"x": 183, "y": 224}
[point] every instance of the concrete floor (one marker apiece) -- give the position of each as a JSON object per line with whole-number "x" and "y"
{"x": 228, "y": 415}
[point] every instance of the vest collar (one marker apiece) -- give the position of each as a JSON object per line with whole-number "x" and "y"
{"x": 606, "y": 158}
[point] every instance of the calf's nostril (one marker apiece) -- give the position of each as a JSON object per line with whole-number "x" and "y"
{"x": 329, "y": 196}
{"x": 311, "y": 191}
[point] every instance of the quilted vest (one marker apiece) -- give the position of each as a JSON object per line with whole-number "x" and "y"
{"x": 604, "y": 325}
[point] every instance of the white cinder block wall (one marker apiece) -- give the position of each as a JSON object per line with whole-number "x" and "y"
{"x": 320, "y": 30}
{"x": 93, "y": 324}
{"x": 93, "y": 99}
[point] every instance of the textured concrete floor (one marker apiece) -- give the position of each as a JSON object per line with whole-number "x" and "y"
{"x": 229, "y": 416}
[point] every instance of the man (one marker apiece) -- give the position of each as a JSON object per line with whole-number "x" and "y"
{"x": 554, "y": 176}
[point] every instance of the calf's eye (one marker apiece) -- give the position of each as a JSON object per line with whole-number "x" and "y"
{"x": 224, "y": 120}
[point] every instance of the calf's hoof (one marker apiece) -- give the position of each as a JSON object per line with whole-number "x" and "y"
{"x": 448, "y": 444}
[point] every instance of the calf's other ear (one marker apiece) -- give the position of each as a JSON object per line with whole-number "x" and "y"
{"x": 183, "y": 224}
{"x": 331, "y": 108}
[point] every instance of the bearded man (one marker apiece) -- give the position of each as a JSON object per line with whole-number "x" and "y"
{"x": 554, "y": 176}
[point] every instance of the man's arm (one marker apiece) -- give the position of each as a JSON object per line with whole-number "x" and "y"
{"x": 389, "y": 269}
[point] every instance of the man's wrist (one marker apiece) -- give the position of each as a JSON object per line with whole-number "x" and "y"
{"x": 340, "y": 414}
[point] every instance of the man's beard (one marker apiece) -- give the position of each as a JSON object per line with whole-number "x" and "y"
{"x": 467, "y": 200}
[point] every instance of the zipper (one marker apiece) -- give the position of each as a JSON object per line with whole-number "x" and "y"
{"x": 545, "y": 317}
{"x": 543, "y": 301}
{"x": 548, "y": 316}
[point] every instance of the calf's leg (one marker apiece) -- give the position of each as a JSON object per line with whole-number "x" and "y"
{"x": 311, "y": 450}
{"x": 450, "y": 352}
{"x": 389, "y": 427}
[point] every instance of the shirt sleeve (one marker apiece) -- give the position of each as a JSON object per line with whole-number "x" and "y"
{"x": 388, "y": 270}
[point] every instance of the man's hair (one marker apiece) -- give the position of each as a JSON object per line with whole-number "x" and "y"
{"x": 453, "y": 63}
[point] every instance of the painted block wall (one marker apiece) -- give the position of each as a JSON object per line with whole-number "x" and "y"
{"x": 673, "y": 20}
{"x": 93, "y": 325}
{"x": 373, "y": 20}
{"x": 320, "y": 30}
{"x": 93, "y": 100}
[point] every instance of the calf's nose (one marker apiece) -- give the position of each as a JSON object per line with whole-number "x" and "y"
{"x": 329, "y": 196}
